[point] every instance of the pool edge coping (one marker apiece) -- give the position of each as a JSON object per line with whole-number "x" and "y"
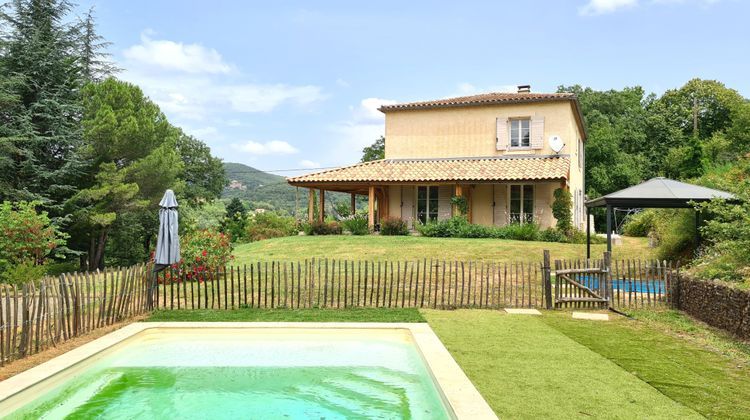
{"x": 461, "y": 394}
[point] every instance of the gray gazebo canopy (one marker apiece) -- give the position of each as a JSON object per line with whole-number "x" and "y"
{"x": 654, "y": 193}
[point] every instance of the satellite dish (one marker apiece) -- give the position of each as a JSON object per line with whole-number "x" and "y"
{"x": 556, "y": 143}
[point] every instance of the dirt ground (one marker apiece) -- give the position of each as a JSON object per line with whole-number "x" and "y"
{"x": 17, "y": 366}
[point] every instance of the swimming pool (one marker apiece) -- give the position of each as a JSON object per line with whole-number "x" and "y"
{"x": 626, "y": 285}
{"x": 232, "y": 371}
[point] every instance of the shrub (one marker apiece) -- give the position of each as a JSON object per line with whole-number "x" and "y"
{"x": 675, "y": 232}
{"x": 522, "y": 232}
{"x": 459, "y": 227}
{"x": 561, "y": 209}
{"x": 639, "y": 224}
{"x": 323, "y": 228}
{"x": 235, "y": 226}
{"x": 203, "y": 252}
{"x": 20, "y": 273}
{"x": 26, "y": 235}
{"x": 393, "y": 226}
{"x": 269, "y": 225}
{"x": 356, "y": 224}
{"x": 552, "y": 235}
{"x": 27, "y": 239}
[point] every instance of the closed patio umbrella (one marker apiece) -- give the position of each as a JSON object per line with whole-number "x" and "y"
{"x": 168, "y": 240}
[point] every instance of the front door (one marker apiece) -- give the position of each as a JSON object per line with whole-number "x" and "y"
{"x": 427, "y": 204}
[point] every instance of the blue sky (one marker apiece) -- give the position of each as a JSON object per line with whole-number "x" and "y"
{"x": 281, "y": 85}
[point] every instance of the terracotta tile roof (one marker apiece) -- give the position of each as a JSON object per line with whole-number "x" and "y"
{"x": 482, "y": 99}
{"x": 444, "y": 170}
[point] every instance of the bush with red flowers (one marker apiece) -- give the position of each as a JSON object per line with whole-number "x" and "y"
{"x": 203, "y": 253}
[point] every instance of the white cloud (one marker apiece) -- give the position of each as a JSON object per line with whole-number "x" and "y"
{"x": 192, "y": 83}
{"x": 264, "y": 98}
{"x": 273, "y": 147}
{"x": 364, "y": 126}
{"x": 600, "y": 7}
{"x": 368, "y": 109}
{"x": 309, "y": 164}
{"x": 170, "y": 55}
{"x": 342, "y": 83}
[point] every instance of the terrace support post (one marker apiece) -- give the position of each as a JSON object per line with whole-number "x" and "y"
{"x": 609, "y": 228}
{"x": 354, "y": 203}
{"x": 322, "y": 206}
{"x": 458, "y": 192}
{"x": 588, "y": 233}
{"x": 311, "y": 205}
{"x": 371, "y": 206}
{"x": 547, "y": 278}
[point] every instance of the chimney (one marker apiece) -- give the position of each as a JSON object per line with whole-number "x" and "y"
{"x": 524, "y": 88}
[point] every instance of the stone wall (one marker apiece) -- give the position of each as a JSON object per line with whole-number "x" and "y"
{"x": 716, "y": 304}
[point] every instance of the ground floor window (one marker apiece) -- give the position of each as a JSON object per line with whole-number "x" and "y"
{"x": 521, "y": 203}
{"x": 427, "y": 204}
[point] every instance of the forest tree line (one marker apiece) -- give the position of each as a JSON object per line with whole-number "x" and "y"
{"x": 91, "y": 152}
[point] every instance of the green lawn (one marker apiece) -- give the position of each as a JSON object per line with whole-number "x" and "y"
{"x": 293, "y": 315}
{"x": 414, "y": 247}
{"x": 662, "y": 365}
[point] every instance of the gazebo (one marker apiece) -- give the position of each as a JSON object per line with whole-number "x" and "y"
{"x": 654, "y": 193}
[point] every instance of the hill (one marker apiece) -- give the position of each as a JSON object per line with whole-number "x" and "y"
{"x": 260, "y": 189}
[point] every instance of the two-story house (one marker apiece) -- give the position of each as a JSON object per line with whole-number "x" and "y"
{"x": 504, "y": 152}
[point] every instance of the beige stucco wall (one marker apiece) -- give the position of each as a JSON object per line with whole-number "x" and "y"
{"x": 471, "y": 132}
{"x": 483, "y": 196}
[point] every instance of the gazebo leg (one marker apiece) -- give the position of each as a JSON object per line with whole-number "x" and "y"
{"x": 609, "y": 229}
{"x": 697, "y": 229}
{"x": 588, "y": 233}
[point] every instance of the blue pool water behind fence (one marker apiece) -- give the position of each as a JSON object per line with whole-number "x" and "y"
{"x": 627, "y": 285}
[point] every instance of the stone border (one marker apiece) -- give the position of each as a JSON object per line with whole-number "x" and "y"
{"x": 460, "y": 394}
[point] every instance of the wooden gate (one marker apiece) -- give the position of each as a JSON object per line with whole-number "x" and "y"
{"x": 583, "y": 285}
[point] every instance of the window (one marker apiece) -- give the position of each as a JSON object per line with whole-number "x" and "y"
{"x": 520, "y": 135}
{"x": 521, "y": 203}
{"x": 427, "y": 204}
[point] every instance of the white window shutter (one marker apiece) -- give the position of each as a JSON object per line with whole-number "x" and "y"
{"x": 502, "y": 133}
{"x": 537, "y": 132}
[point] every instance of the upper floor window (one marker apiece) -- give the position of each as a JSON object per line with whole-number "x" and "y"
{"x": 520, "y": 133}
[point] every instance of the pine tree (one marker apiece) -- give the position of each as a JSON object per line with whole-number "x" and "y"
{"x": 37, "y": 50}
{"x": 94, "y": 59}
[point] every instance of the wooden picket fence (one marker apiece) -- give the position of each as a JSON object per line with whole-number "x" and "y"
{"x": 37, "y": 316}
{"x": 331, "y": 283}
{"x": 34, "y": 317}
{"x": 625, "y": 284}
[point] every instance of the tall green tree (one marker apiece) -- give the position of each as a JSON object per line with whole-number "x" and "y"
{"x": 37, "y": 50}
{"x": 94, "y": 58}
{"x": 203, "y": 174}
{"x": 374, "y": 151}
{"x": 616, "y": 137}
{"x": 97, "y": 208}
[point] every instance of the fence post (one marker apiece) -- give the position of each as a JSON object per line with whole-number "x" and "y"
{"x": 675, "y": 287}
{"x": 608, "y": 287}
{"x": 547, "y": 278}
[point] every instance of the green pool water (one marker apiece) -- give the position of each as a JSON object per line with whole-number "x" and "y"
{"x": 281, "y": 377}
